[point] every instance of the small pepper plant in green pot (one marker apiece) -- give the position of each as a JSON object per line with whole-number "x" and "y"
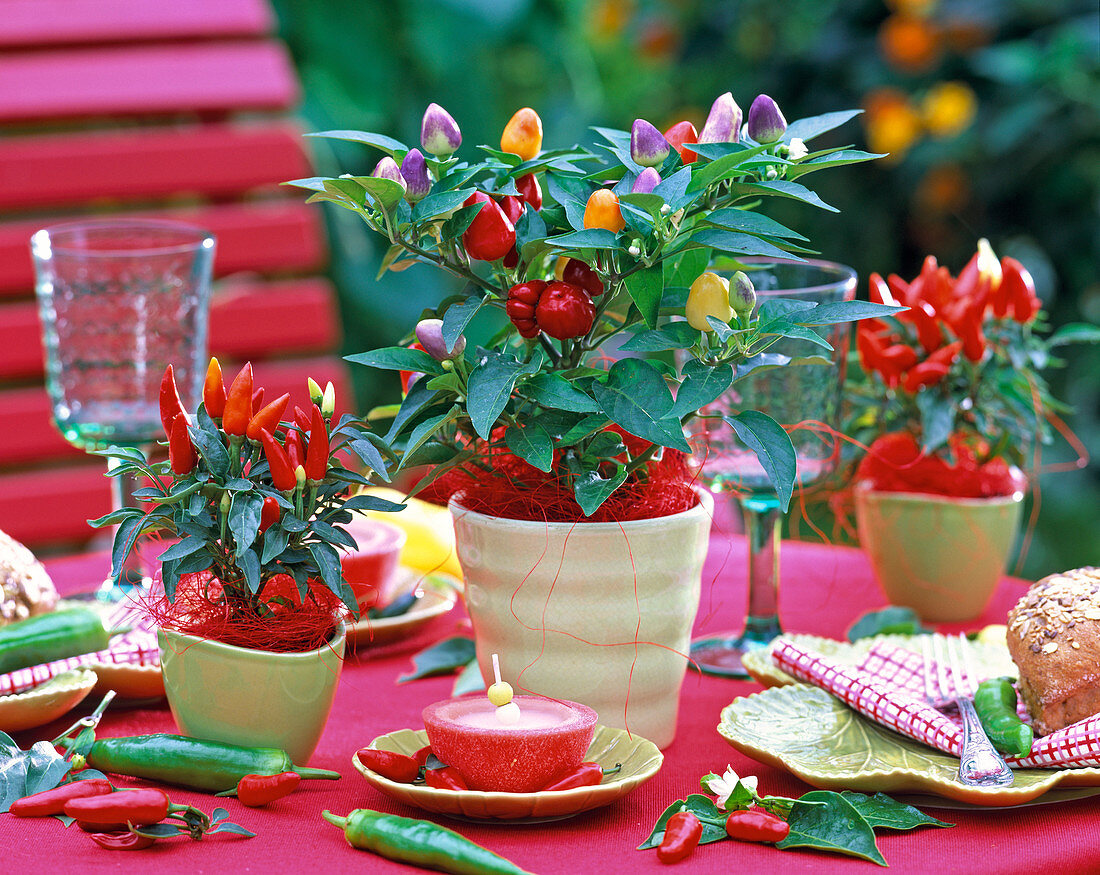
{"x": 589, "y": 271}
{"x": 951, "y": 403}
{"x": 250, "y": 598}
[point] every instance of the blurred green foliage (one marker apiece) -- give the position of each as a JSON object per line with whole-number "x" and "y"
{"x": 991, "y": 110}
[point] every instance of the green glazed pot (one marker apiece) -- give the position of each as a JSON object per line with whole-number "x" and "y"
{"x": 251, "y": 698}
{"x": 938, "y": 555}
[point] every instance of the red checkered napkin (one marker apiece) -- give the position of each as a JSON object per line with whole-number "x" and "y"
{"x": 888, "y": 688}
{"x": 138, "y": 646}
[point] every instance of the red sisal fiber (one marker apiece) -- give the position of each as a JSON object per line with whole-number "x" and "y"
{"x": 286, "y": 625}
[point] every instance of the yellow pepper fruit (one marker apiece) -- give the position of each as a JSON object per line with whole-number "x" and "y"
{"x": 709, "y": 296}
{"x": 602, "y": 211}
{"x": 523, "y": 134}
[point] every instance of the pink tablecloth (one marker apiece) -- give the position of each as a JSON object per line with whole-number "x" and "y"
{"x": 824, "y": 589}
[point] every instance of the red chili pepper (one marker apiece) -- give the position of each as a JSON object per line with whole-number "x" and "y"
{"x": 53, "y": 801}
{"x": 268, "y": 418}
{"x": 580, "y": 274}
{"x": 491, "y": 234}
{"x": 564, "y": 311}
{"x": 682, "y": 834}
{"x": 925, "y": 285}
{"x": 520, "y": 306}
{"x": 213, "y": 389}
{"x": 238, "y": 403}
{"x": 530, "y": 190}
{"x": 448, "y": 778}
{"x": 147, "y": 805}
{"x": 256, "y": 791}
{"x": 969, "y": 331}
{"x": 899, "y": 288}
{"x": 317, "y": 451}
{"x": 295, "y": 447}
{"x": 924, "y": 374}
{"x": 680, "y": 133}
{"x": 282, "y": 474}
{"x": 389, "y": 764}
{"x": 878, "y": 291}
{"x": 421, "y": 756}
{"x": 922, "y": 317}
{"x": 269, "y": 514}
{"x": 181, "y": 452}
{"x": 170, "y": 404}
{"x": 895, "y": 360}
{"x": 257, "y": 401}
{"x": 1019, "y": 291}
{"x": 585, "y": 775}
{"x": 122, "y": 840}
{"x": 756, "y": 825}
{"x": 513, "y": 209}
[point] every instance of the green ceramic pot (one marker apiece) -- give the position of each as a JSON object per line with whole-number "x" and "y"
{"x": 250, "y": 697}
{"x": 938, "y": 555}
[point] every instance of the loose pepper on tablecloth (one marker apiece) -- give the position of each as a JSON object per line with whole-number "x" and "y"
{"x": 255, "y": 791}
{"x": 50, "y": 802}
{"x": 682, "y": 834}
{"x": 192, "y": 762}
{"x": 756, "y": 825}
{"x": 147, "y": 805}
{"x": 419, "y": 843}
{"x": 122, "y": 841}
{"x": 389, "y": 764}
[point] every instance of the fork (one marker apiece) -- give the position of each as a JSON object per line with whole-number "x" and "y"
{"x": 979, "y": 763}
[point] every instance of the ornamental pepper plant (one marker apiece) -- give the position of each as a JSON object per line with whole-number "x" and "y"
{"x": 256, "y": 500}
{"x": 588, "y": 253}
{"x": 950, "y": 396}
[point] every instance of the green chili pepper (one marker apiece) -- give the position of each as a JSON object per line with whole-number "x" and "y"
{"x": 192, "y": 762}
{"x": 995, "y": 702}
{"x": 419, "y": 843}
{"x": 51, "y": 636}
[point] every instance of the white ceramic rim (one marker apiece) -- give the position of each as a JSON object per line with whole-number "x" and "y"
{"x": 705, "y": 505}
{"x": 335, "y": 645}
{"x": 929, "y": 497}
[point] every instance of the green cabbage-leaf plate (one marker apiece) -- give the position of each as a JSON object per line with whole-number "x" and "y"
{"x": 817, "y": 738}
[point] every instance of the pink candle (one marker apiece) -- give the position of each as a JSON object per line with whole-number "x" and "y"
{"x": 371, "y": 570}
{"x": 548, "y": 741}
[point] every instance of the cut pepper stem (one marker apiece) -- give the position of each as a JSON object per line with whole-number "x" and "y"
{"x": 320, "y": 774}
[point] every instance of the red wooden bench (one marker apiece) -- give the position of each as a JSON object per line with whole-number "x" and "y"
{"x": 127, "y": 107}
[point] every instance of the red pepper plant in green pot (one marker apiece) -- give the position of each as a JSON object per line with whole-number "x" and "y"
{"x": 561, "y": 439}
{"x": 251, "y": 600}
{"x": 952, "y": 405}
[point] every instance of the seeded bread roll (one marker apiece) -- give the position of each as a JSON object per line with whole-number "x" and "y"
{"x": 1054, "y": 639}
{"x": 25, "y": 588}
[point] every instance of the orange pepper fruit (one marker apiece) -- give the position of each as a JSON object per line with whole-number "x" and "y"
{"x": 523, "y": 134}
{"x": 602, "y": 211}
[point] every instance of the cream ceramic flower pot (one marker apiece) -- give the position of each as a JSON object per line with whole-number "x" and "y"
{"x": 938, "y": 555}
{"x": 252, "y": 698}
{"x": 597, "y": 613}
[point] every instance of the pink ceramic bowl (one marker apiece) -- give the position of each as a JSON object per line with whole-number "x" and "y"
{"x": 548, "y": 743}
{"x": 371, "y": 570}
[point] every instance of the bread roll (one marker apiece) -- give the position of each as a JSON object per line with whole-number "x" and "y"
{"x": 25, "y": 588}
{"x": 1054, "y": 639}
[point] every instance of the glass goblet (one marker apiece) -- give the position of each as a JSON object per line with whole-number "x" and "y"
{"x": 119, "y": 300}
{"x": 790, "y": 394}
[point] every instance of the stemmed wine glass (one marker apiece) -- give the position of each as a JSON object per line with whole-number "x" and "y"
{"x": 790, "y": 394}
{"x": 120, "y": 300}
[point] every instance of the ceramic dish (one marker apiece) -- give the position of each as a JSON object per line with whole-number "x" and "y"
{"x": 439, "y": 594}
{"x": 129, "y": 680}
{"x": 816, "y": 737}
{"x": 46, "y": 702}
{"x": 990, "y": 659}
{"x": 640, "y": 761}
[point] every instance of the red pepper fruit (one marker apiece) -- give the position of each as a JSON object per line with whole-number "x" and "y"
{"x": 680, "y": 133}
{"x": 513, "y": 209}
{"x": 238, "y": 403}
{"x": 213, "y": 389}
{"x": 491, "y": 234}
{"x": 170, "y": 404}
{"x": 122, "y": 840}
{"x": 295, "y": 447}
{"x": 181, "y": 452}
{"x": 282, "y": 473}
{"x": 565, "y": 311}
{"x": 407, "y": 379}
{"x": 580, "y": 274}
{"x": 585, "y": 775}
{"x": 269, "y": 514}
{"x": 102, "y": 827}
{"x": 317, "y": 452}
{"x": 301, "y": 418}
{"x": 389, "y": 764}
{"x": 267, "y": 419}
{"x": 922, "y": 317}
{"x": 448, "y": 778}
{"x": 53, "y": 801}
{"x": 924, "y": 374}
{"x": 969, "y": 331}
{"x": 256, "y": 791}
{"x": 1018, "y": 288}
{"x": 146, "y": 805}
{"x": 257, "y": 401}
{"x": 682, "y": 834}
{"x": 756, "y": 825}
{"x": 421, "y": 756}
{"x": 530, "y": 190}
{"x": 520, "y": 306}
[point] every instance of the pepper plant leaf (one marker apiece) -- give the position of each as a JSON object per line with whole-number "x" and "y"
{"x": 532, "y": 443}
{"x": 645, "y": 288}
{"x": 398, "y": 358}
{"x": 773, "y": 447}
{"x": 554, "y": 391}
{"x": 446, "y": 657}
{"x": 490, "y": 387}
{"x": 835, "y": 826}
{"x": 710, "y": 815}
{"x": 457, "y": 317}
{"x": 702, "y": 385}
{"x": 23, "y": 773}
{"x": 637, "y": 397}
{"x": 884, "y": 812}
